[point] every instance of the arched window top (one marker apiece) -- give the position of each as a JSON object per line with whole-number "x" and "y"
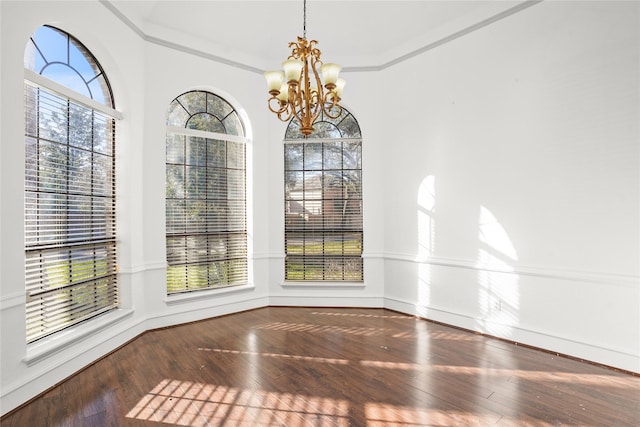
{"x": 204, "y": 111}
{"x": 325, "y": 127}
{"x": 62, "y": 58}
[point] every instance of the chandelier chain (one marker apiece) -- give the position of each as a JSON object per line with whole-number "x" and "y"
{"x": 304, "y": 19}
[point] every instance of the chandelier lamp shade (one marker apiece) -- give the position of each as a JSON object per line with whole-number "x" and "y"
{"x": 306, "y": 86}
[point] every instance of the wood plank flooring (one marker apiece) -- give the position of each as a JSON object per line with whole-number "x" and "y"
{"x": 281, "y": 366}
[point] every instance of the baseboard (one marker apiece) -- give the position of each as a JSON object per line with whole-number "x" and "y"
{"x": 324, "y": 301}
{"x": 561, "y": 346}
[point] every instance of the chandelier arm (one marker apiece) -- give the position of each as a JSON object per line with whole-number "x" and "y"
{"x": 281, "y": 106}
{"x": 314, "y": 51}
{"x": 316, "y": 62}
{"x": 294, "y": 102}
{"x": 314, "y": 99}
{"x": 295, "y": 50}
{"x": 339, "y": 112}
{"x": 283, "y": 111}
{"x": 285, "y": 117}
{"x": 332, "y": 101}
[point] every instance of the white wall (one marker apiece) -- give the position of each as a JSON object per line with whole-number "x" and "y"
{"x": 500, "y": 185}
{"x": 145, "y": 78}
{"x": 513, "y": 205}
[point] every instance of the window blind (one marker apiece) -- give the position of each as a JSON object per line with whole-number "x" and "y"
{"x": 206, "y": 214}
{"x": 323, "y": 210}
{"x": 70, "y": 230}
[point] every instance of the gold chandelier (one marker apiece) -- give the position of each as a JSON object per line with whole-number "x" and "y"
{"x": 298, "y": 91}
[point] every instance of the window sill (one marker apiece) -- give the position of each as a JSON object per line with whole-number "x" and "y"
{"x": 66, "y": 338}
{"x": 322, "y": 285}
{"x": 203, "y": 295}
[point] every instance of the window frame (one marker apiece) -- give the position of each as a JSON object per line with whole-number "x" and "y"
{"x": 311, "y": 221}
{"x": 220, "y": 270}
{"x": 70, "y": 263}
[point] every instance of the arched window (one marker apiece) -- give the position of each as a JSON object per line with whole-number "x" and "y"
{"x": 70, "y": 231}
{"x": 323, "y": 200}
{"x": 205, "y": 194}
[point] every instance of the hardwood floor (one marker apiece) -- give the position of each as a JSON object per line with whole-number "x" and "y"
{"x": 332, "y": 367}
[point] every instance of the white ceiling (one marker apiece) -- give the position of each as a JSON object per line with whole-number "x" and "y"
{"x": 355, "y": 33}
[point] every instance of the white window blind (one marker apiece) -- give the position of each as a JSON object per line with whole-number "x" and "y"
{"x": 323, "y": 201}
{"x": 70, "y": 238}
{"x": 205, "y": 194}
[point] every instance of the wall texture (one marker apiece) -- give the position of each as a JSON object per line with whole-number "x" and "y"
{"x": 501, "y": 185}
{"x": 513, "y": 205}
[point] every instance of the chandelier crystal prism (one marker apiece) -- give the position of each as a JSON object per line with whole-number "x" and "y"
{"x": 306, "y": 86}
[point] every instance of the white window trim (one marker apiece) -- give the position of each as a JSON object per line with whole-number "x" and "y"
{"x": 337, "y": 284}
{"x": 205, "y": 134}
{"x": 45, "y": 347}
{"x": 204, "y": 294}
{"x": 320, "y": 140}
{"x": 34, "y": 79}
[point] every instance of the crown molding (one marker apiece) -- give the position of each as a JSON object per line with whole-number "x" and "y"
{"x": 366, "y": 68}
{"x": 172, "y": 45}
{"x": 456, "y": 35}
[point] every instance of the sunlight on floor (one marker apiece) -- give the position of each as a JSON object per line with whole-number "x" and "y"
{"x": 376, "y": 316}
{"x": 313, "y": 328}
{"x": 186, "y": 403}
{"x": 381, "y": 414}
{"x": 279, "y": 355}
{"x": 453, "y": 336}
{"x": 514, "y": 374}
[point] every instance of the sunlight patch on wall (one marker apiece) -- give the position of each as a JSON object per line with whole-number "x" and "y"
{"x": 493, "y": 234}
{"x": 426, "y": 208}
{"x": 187, "y": 403}
{"x": 499, "y": 293}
